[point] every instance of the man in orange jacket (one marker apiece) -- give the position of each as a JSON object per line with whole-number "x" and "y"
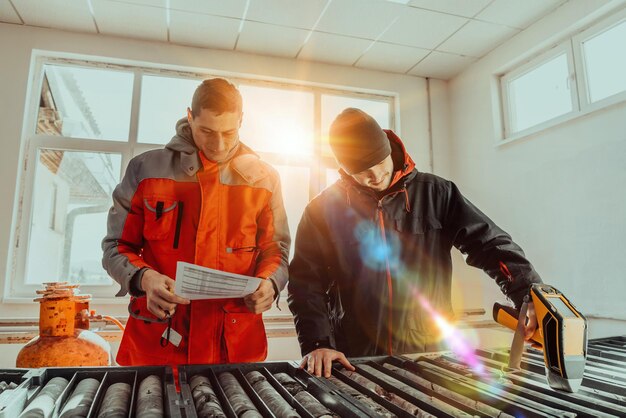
{"x": 206, "y": 198}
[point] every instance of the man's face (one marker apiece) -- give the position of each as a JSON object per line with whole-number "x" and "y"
{"x": 215, "y": 135}
{"x": 378, "y": 177}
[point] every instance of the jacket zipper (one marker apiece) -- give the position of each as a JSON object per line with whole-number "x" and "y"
{"x": 381, "y": 222}
{"x": 389, "y": 282}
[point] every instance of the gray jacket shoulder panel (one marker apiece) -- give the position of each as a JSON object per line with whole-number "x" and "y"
{"x": 250, "y": 170}
{"x": 160, "y": 163}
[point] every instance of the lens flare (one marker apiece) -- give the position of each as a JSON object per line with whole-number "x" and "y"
{"x": 373, "y": 250}
{"x": 455, "y": 340}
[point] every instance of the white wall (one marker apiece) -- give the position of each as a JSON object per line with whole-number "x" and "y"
{"x": 560, "y": 192}
{"x": 279, "y": 348}
{"x": 467, "y": 284}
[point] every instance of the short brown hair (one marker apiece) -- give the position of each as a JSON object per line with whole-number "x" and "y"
{"x": 218, "y": 95}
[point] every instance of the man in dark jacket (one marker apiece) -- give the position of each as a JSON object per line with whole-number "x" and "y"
{"x": 373, "y": 245}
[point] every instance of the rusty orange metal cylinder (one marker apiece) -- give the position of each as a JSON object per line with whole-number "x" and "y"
{"x": 64, "y": 338}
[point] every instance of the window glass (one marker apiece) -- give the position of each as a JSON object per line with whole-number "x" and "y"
{"x": 540, "y": 94}
{"x": 606, "y": 65}
{"x": 332, "y": 175}
{"x": 72, "y": 181}
{"x": 164, "y": 100}
{"x": 277, "y": 120}
{"x": 295, "y": 188}
{"x": 71, "y": 198}
{"x": 85, "y": 103}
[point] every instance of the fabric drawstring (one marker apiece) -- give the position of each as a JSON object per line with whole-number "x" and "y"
{"x": 348, "y": 196}
{"x": 276, "y": 292}
{"x": 277, "y": 301}
{"x": 406, "y": 200}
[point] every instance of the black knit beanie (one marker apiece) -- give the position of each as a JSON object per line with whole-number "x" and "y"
{"x": 357, "y": 141}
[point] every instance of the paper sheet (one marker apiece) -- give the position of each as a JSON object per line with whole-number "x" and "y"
{"x": 197, "y": 282}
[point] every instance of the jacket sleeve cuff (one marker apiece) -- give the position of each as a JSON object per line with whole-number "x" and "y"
{"x": 517, "y": 297}
{"x": 279, "y": 275}
{"x": 276, "y": 292}
{"x": 134, "y": 286}
{"x": 309, "y": 346}
{"x": 127, "y": 274}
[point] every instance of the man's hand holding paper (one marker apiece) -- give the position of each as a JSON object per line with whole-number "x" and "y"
{"x": 196, "y": 282}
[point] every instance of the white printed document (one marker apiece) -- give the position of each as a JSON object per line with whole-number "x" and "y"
{"x": 197, "y": 282}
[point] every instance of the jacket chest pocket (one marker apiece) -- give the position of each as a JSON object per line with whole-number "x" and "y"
{"x": 416, "y": 225}
{"x": 159, "y": 218}
{"x": 241, "y": 258}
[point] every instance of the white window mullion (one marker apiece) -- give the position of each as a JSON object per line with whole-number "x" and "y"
{"x": 22, "y": 230}
{"x": 581, "y": 75}
{"x": 318, "y": 174}
{"x": 573, "y": 75}
{"x": 507, "y": 115}
{"x": 134, "y": 115}
{"x": 78, "y": 144}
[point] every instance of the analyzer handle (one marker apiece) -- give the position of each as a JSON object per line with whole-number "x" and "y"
{"x": 507, "y": 316}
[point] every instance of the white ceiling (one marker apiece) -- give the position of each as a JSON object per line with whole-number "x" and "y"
{"x": 429, "y": 38}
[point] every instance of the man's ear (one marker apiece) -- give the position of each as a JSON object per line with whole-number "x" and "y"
{"x": 189, "y": 115}
{"x": 240, "y": 119}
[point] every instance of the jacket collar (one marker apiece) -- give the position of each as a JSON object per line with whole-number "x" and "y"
{"x": 190, "y": 160}
{"x": 407, "y": 165}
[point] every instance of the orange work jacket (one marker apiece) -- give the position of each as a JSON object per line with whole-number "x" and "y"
{"x": 173, "y": 205}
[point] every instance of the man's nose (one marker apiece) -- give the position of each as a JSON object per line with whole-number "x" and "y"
{"x": 219, "y": 142}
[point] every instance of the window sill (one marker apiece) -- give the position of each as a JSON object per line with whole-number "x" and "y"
{"x": 94, "y": 300}
{"x": 21, "y": 331}
{"x": 603, "y": 105}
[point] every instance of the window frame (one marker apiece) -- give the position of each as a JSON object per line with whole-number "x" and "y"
{"x": 584, "y": 87}
{"x": 579, "y": 82}
{"x": 536, "y": 62}
{"x": 15, "y": 289}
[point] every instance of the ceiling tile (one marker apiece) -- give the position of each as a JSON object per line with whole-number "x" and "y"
{"x": 203, "y": 30}
{"x": 393, "y": 58}
{"x": 286, "y": 13}
{"x": 230, "y": 8}
{"x": 261, "y": 38}
{"x": 442, "y": 65}
{"x": 359, "y": 18}
{"x": 477, "y": 38}
{"x": 131, "y": 20}
{"x": 467, "y": 8}
{"x": 7, "y": 14}
{"x": 519, "y": 14}
{"x": 333, "y": 49}
{"x": 60, "y": 14}
{"x": 422, "y": 28}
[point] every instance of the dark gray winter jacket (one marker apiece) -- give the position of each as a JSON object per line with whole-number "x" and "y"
{"x": 368, "y": 267}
